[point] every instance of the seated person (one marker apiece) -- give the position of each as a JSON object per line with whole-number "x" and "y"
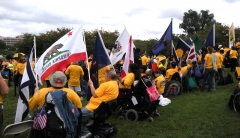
{"x": 143, "y": 69}
{"x": 185, "y": 67}
{"x": 128, "y": 80}
{"x": 158, "y": 80}
{"x": 107, "y": 91}
{"x": 171, "y": 71}
{"x": 57, "y": 80}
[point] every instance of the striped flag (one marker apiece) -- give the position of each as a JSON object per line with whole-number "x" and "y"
{"x": 192, "y": 54}
{"x": 28, "y": 78}
{"x": 128, "y": 59}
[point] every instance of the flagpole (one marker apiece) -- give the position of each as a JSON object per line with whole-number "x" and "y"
{"x": 214, "y": 35}
{"x": 35, "y": 61}
{"x": 86, "y": 55}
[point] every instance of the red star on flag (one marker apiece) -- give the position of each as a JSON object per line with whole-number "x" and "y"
{"x": 70, "y": 33}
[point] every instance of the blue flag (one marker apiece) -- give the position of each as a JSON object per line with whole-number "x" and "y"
{"x": 173, "y": 54}
{"x": 210, "y": 40}
{"x": 162, "y": 43}
{"x": 190, "y": 42}
{"x": 182, "y": 46}
{"x": 28, "y": 78}
{"x": 100, "y": 58}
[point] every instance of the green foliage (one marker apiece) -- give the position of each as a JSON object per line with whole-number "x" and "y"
{"x": 193, "y": 22}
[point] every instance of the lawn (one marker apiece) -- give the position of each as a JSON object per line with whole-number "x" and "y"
{"x": 192, "y": 114}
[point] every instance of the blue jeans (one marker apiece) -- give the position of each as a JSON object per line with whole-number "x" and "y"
{"x": 86, "y": 116}
{"x": 209, "y": 74}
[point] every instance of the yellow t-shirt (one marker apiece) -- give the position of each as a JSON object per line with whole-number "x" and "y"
{"x": 20, "y": 68}
{"x": 74, "y": 72}
{"x": 144, "y": 60}
{"x": 158, "y": 81}
{"x": 14, "y": 62}
{"x": 4, "y": 64}
{"x": 219, "y": 60}
{"x": 107, "y": 91}
{"x": 233, "y": 54}
{"x": 208, "y": 61}
{"x": 101, "y": 74}
{"x": 11, "y": 67}
{"x": 127, "y": 81}
{"x": 1, "y": 100}
{"x": 169, "y": 73}
{"x": 184, "y": 70}
{"x": 38, "y": 98}
{"x": 238, "y": 45}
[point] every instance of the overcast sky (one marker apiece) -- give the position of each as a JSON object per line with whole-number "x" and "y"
{"x": 144, "y": 19}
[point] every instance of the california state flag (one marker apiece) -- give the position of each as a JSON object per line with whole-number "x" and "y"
{"x": 60, "y": 54}
{"x": 129, "y": 59}
{"x": 120, "y": 47}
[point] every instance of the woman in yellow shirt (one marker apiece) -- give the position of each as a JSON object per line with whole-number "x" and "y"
{"x": 20, "y": 69}
{"x": 208, "y": 70}
{"x": 233, "y": 59}
{"x": 133, "y": 74}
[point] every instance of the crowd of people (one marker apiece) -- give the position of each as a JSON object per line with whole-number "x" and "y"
{"x": 75, "y": 81}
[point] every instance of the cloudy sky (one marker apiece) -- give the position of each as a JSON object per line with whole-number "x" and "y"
{"x": 144, "y": 19}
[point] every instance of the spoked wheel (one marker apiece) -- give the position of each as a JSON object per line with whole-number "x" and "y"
{"x": 236, "y": 103}
{"x": 98, "y": 135}
{"x": 131, "y": 115}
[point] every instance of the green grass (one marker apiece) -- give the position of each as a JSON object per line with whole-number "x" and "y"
{"x": 192, "y": 114}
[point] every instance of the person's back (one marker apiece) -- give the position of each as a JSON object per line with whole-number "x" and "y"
{"x": 75, "y": 73}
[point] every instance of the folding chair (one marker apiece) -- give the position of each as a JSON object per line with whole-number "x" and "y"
{"x": 17, "y": 128}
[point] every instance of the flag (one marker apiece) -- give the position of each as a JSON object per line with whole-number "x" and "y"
{"x": 197, "y": 43}
{"x": 231, "y": 36}
{"x": 210, "y": 40}
{"x": 100, "y": 57}
{"x": 120, "y": 47}
{"x": 128, "y": 59}
{"x": 182, "y": 47}
{"x": 173, "y": 54}
{"x": 192, "y": 54}
{"x": 28, "y": 78}
{"x": 162, "y": 43}
{"x": 60, "y": 54}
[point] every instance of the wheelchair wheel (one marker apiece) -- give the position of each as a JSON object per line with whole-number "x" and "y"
{"x": 236, "y": 103}
{"x": 98, "y": 135}
{"x": 172, "y": 88}
{"x": 131, "y": 115}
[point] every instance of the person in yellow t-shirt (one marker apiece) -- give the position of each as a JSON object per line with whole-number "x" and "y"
{"x": 4, "y": 64}
{"x": 158, "y": 80}
{"x": 14, "y": 62}
{"x": 3, "y": 92}
{"x": 219, "y": 62}
{"x": 20, "y": 68}
{"x": 233, "y": 59}
{"x": 144, "y": 59}
{"x": 101, "y": 75}
{"x": 106, "y": 92}
{"x": 75, "y": 73}
{"x": 133, "y": 74}
{"x": 57, "y": 80}
{"x": 208, "y": 70}
{"x": 173, "y": 69}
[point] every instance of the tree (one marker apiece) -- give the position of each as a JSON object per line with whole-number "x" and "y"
{"x": 193, "y": 21}
{"x": 2, "y": 47}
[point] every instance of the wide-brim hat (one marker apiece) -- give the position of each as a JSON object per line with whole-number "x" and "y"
{"x": 58, "y": 79}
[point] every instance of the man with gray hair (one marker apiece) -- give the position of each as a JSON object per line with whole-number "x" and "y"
{"x": 107, "y": 91}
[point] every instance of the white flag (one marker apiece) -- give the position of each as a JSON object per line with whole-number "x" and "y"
{"x": 67, "y": 49}
{"x": 121, "y": 47}
{"x": 128, "y": 58}
{"x": 28, "y": 78}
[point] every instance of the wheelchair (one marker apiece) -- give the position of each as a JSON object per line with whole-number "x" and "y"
{"x": 173, "y": 87}
{"x": 98, "y": 126}
{"x": 135, "y": 103}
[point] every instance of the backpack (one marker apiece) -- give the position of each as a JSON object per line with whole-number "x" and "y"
{"x": 191, "y": 83}
{"x": 197, "y": 73}
{"x": 229, "y": 78}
